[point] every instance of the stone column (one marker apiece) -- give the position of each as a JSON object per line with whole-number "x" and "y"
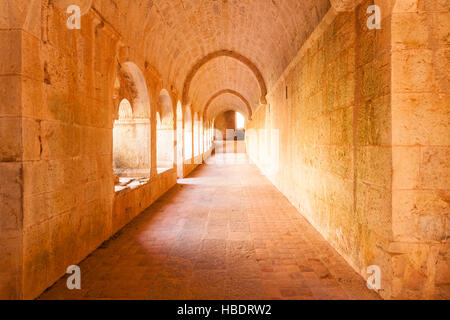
{"x": 20, "y": 34}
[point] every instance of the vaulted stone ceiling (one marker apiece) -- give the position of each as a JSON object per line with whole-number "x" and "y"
{"x": 175, "y": 35}
{"x": 225, "y": 101}
{"x": 223, "y": 73}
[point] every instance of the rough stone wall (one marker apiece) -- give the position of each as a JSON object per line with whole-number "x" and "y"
{"x": 372, "y": 152}
{"x": 421, "y": 154}
{"x": 14, "y": 76}
{"x": 334, "y": 137}
{"x": 68, "y": 186}
{"x": 325, "y": 141}
{"x": 57, "y": 194}
{"x": 362, "y": 120}
{"x": 68, "y": 181}
{"x": 130, "y": 203}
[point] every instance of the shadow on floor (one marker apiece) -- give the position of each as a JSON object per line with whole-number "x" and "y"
{"x": 224, "y": 232}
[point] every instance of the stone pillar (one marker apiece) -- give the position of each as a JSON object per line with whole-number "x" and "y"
{"x": 153, "y": 128}
{"x": 20, "y": 33}
{"x": 421, "y": 150}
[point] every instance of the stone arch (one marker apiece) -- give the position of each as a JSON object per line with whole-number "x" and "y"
{"x": 225, "y": 53}
{"x": 125, "y": 110}
{"x": 131, "y": 125}
{"x": 228, "y": 91}
{"x": 223, "y": 110}
{"x": 130, "y": 83}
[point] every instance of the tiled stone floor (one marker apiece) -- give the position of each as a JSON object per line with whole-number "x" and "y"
{"x": 223, "y": 233}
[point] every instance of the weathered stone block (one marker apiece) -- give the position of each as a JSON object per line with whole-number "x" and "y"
{"x": 373, "y": 205}
{"x": 375, "y": 165}
{"x": 31, "y": 59}
{"x": 11, "y": 264}
{"x": 11, "y": 148}
{"x": 10, "y": 48}
{"x": 435, "y": 168}
{"x": 31, "y": 135}
{"x": 420, "y": 118}
{"x": 412, "y": 71}
{"x": 419, "y": 215}
{"x": 11, "y": 196}
{"x": 410, "y": 31}
{"x": 406, "y": 167}
{"x": 374, "y": 122}
{"x": 36, "y": 260}
{"x": 10, "y": 96}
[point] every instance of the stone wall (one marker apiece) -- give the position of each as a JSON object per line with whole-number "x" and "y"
{"x": 191, "y": 164}
{"x": 57, "y": 197}
{"x": 68, "y": 180}
{"x": 12, "y": 80}
{"x": 19, "y": 76}
{"x": 355, "y": 132}
{"x": 132, "y": 148}
{"x": 130, "y": 203}
{"x": 421, "y": 154}
{"x": 338, "y": 130}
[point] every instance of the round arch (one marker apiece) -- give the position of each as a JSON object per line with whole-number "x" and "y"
{"x": 225, "y": 53}
{"x": 228, "y": 91}
{"x": 130, "y": 83}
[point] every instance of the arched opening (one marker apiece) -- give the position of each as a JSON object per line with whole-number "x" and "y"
{"x": 179, "y": 140}
{"x": 229, "y": 132}
{"x": 164, "y": 133}
{"x": 196, "y": 135}
{"x": 211, "y": 134}
{"x": 200, "y": 138}
{"x": 187, "y": 134}
{"x": 131, "y": 131}
{"x": 240, "y": 127}
{"x": 210, "y": 137}
{"x": 205, "y": 136}
{"x": 225, "y": 124}
{"x": 130, "y": 160}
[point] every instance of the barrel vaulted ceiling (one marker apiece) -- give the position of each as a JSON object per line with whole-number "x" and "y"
{"x": 175, "y": 35}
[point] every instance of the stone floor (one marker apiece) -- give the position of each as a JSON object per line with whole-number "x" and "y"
{"x": 223, "y": 233}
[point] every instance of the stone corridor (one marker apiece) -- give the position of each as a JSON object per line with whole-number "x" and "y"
{"x": 190, "y": 245}
{"x": 110, "y": 111}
